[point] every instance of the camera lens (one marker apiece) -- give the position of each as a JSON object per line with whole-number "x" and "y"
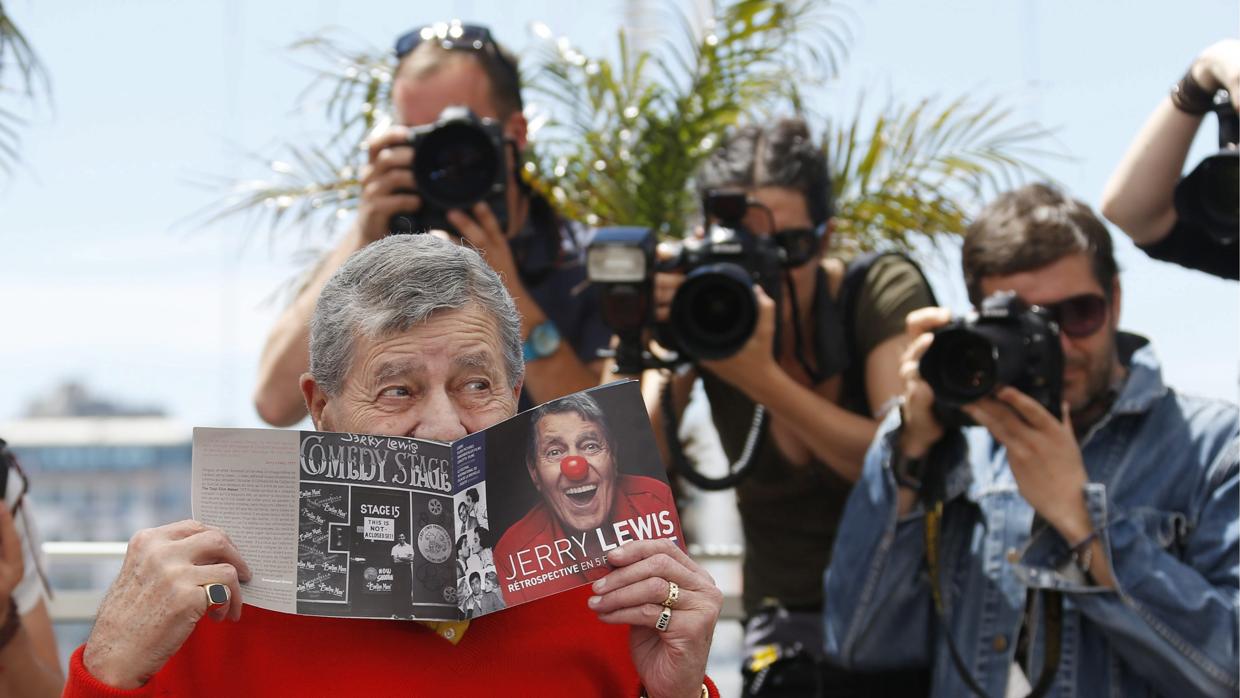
{"x": 455, "y": 165}
{"x": 960, "y": 366}
{"x": 714, "y": 311}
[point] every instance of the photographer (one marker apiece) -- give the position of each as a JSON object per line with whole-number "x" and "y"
{"x": 1141, "y": 196}
{"x": 536, "y": 254}
{"x": 823, "y": 391}
{"x": 1091, "y": 554}
{"x": 29, "y": 662}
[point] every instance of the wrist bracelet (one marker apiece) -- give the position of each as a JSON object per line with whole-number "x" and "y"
{"x": 1082, "y": 554}
{"x": 1190, "y": 97}
{"x": 12, "y": 624}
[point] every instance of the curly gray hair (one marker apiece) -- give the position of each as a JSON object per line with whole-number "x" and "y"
{"x": 395, "y": 283}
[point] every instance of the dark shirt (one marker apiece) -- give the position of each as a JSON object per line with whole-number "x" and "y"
{"x": 789, "y": 513}
{"x": 1189, "y": 245}
{"x": 557, "y": 281}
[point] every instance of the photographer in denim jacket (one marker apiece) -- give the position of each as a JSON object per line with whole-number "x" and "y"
{"x": 1122, "y": 515}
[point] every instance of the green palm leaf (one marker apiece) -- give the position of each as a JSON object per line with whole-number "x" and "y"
{"x": 618, "y": 142}
{"x": 23, "y": 77}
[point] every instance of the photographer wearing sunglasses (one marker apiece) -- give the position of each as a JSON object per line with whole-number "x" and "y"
{"x": 821, "y": 363}
{"x": 456, "y": 100}
{"x": 1077, "y": 535}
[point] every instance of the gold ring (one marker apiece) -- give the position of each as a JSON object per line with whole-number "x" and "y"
{"x": 673, "y": 594}
{"x": 217, "y": 594}
{"x": 665, "y": 617}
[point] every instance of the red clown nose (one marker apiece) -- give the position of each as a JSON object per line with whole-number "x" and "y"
{"x": 574, "y": 467}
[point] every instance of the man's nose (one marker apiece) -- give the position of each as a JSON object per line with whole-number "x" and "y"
{"x": 439, "y": 419}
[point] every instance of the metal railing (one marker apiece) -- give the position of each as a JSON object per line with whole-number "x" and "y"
{"x": 80, "y": 605}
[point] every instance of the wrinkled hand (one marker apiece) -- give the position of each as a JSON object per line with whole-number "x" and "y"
{"x": 1043, "y": 454}
{"x": 919, "y": 430}
{"x": 386, "y": 180}
{"x": 157, "y": 599}
{"x": 756, "y": 355}
{"x": 12, "y": 565}
{"x": 671, "y": 663}
{"x": 1218, "y": 67}
{"x": 482, "y": 230}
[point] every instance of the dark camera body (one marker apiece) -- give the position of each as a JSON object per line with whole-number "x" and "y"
{"x": 1210, "y": 195}
{"x": 715, "y": 311}
{"x": 1006, "y": 343}
{"x": 459, "y": 160}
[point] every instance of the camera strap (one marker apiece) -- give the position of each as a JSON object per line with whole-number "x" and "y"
{"x": 1052, "y": 611}
{"x": 737, "y": 470}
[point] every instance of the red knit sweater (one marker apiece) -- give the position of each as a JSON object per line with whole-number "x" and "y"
{"x": 552, "y": 647}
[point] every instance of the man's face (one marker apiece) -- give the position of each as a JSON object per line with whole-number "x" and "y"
{"x": 578, "y": 504}
{"x": 475, "y": 584}
{"x": 1090, "y": 363}
{"x": 401, "y": 538}
{"x": 440, "y": 380}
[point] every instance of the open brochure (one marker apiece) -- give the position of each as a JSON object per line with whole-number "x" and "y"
{"x": 363, "y": 526}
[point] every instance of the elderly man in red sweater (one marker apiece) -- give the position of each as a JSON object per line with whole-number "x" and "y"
{"x": 413, "y": 336}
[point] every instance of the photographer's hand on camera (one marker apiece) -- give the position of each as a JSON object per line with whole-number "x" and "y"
{"x": 1218, "y": 68}
{"x": 480, "y": 228}
{"x": 387, "y": 180}
{"x": 919, "y": 430}
{"x": 750, "y": 368}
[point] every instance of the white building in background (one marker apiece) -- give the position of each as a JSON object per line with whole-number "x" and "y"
{"x": 99, "y": 472}
{"x": 102, "y": 478}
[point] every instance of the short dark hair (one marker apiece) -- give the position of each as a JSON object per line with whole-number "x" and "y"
{"x": 504, "y": 79}
{"x": 473, "y": 576}
{"x": 1029, "y": 228}
{"x": 780, "y": 155}
{"x": 472, "y": 493}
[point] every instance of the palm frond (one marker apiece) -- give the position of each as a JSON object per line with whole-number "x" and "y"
{"x": 620, "y": 140}
{"x": 922, "y": 169}
{"x": 30, "y": 85}
{"x": 628, "y": 139}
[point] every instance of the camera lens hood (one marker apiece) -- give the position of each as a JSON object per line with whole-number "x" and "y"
{"x": 714, "y": 311}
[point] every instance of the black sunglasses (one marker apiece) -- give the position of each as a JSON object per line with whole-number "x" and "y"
{"x": 1079, "y": 316}
{"x": 455, "y": 36}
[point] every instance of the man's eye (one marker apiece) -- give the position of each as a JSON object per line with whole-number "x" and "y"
{"x": 553, "y": 452}
{"x": 395, "y": 391}
{"x": 591, "y": 447}
{"x": 478, "y": 386}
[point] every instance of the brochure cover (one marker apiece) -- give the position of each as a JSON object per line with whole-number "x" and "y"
{"x": 368, "y": 526}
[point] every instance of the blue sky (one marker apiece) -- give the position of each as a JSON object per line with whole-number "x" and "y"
{"x": 103, "y": 280}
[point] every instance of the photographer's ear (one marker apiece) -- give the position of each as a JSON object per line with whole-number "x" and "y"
{"x": 516, "y": 129}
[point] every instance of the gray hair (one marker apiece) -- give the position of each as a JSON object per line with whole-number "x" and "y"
{"x": 395, "y": 283}
{"x": 580, "y": 404}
